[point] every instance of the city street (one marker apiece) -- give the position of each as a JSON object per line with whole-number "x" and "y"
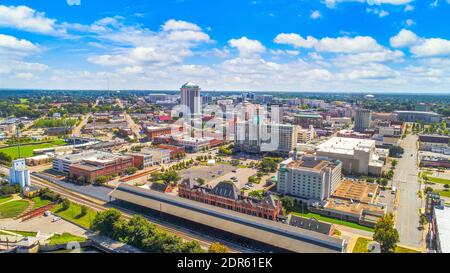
{"x": 406, "y": 181}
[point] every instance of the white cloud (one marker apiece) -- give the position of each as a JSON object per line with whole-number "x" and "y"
{"x": 409, "y": 7}
{"x": 315, "y": 15}
{"x": 356, "y": 44}
{"x": 179, "y": 25}
{"x": 380, "y": 12}
{"x": 25, "y": 18}
{"x": 73, "y": 2}
{"x": 421, "y": 47}
{"x": 247, "y": 47}
{"x": 295, "y": 40}
{"x": 404, "y": 38}
{"x": 10, "y": 44}
{"x": 333, "y": 3}
{"x": 409, "y": 22}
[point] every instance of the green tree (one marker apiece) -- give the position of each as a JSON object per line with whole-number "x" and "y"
{"x": 104, "y": 222}
{"x": 217, "y": 248}
{"x": 84, "y": 210}
{"x": 65, "y": 205}
{"x": 288, "y": 203}
{"x": 385, "y": 233}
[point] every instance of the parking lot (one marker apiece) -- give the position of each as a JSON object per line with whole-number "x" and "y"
{"x": 44, "y": 225}
{"x": 208, "y": 173}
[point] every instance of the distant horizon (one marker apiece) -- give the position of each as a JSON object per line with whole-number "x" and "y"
{"x": 447, "y": 93}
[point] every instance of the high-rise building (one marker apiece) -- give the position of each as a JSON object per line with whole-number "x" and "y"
{"x": 362, "y": 119}
{"x": 255, "y": 137}
{"x": 190, "y": 97}
{"x": 19, "y": 173}
{"x": 309, "y": 177}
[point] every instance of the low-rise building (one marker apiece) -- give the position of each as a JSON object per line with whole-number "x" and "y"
{"x": 441, "y": 229}
{"x": 416, "y": 116}
{"x": 358, "y": 156}
{"x": 159, "y": 156}
{"x": 228, "y": 196}
{"x": 435, "y": 143}
{"x": 102, "y": 164}
{"x": 308, "y": 119}
{"x": 193, "y": 145}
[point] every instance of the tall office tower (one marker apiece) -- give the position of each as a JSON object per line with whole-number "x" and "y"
{"x": 362, "y": 119}
{"x": 190, "y": 97}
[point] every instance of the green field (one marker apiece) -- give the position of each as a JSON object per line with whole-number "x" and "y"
{"x": 438, "y": 180}
{"x": 361, "y": 245}
{"x": 443, "y": 193}
{"x": 4, "y": 199}
{"x": 38, "y": 202}
{"x": 65, "y": 238}
{"x": 27, "y": 150}
{"x": 12, "y": 209}
{"x": 73, "y": 214}
{"x": 332, "y": 220}
{"x": 52, "y": 123}
{"x": 22, "y": 233}
{"x": 400, "y": 249}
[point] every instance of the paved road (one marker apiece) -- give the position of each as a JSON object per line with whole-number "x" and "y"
{"x": 406, "y": 181}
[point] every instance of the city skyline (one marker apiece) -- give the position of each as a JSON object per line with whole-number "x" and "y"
{"x": 334, "y": 46}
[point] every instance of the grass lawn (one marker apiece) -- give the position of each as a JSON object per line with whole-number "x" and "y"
{"x": 438, "y": 180}
{"x": 73, "y": 214}
{"x": 23, "y": 233}
{"x": 361, "y": 245}
{"x": 65, "y": 238}
{"x": 400, "y": 249}
{"x": 38, "y": 202}
{"x": 27, "y": 150}
{"x": 4, "y": 199}
{"x": 12, "y": 209}
{"x": 332, "y": 220}
{"x": 444, "y": 193}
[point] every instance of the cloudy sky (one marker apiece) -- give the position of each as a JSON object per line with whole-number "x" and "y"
{"x": 273, "y": 45}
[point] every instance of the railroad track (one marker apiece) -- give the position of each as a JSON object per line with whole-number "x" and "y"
{"x": 99, "y": 205}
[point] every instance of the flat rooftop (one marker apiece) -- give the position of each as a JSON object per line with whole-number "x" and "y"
{"x": 310, "y": 164}
{"x": 443, "y": 225}
{"x": 356, "y": 191}
{"x": 351, "y": 208}
{"x": 346, "y": 146}
{"x": 308, "y": 241}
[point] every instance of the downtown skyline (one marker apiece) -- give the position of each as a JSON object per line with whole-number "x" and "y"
{"x": 332, "y": 45}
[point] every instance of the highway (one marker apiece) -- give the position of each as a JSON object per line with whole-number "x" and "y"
{"x": 406, "y": 181}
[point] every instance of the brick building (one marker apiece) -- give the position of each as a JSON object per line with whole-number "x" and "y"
{"x": 227, "y": 195}
{"x": 175, "y": 151}
{"x": 102, "y": 165}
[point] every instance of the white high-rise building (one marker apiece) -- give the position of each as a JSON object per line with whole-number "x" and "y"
{"x": 190, "y": 97}
{"x": 19, "y": 173}
{"x": 309, "y": 177}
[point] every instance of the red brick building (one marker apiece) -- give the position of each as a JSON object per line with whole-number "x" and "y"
{"x": 153, "y": 132}
{"x": 226, "y": 195}
{"x": 92, "y": 169}
{"x": 175, "y": 151}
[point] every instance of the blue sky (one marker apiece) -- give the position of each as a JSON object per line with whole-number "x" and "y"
{"x": 275, "y": 45}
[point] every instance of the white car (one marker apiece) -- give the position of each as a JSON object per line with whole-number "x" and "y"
{"x": 47, "y": 213}
{"x": 56, "y": 219}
